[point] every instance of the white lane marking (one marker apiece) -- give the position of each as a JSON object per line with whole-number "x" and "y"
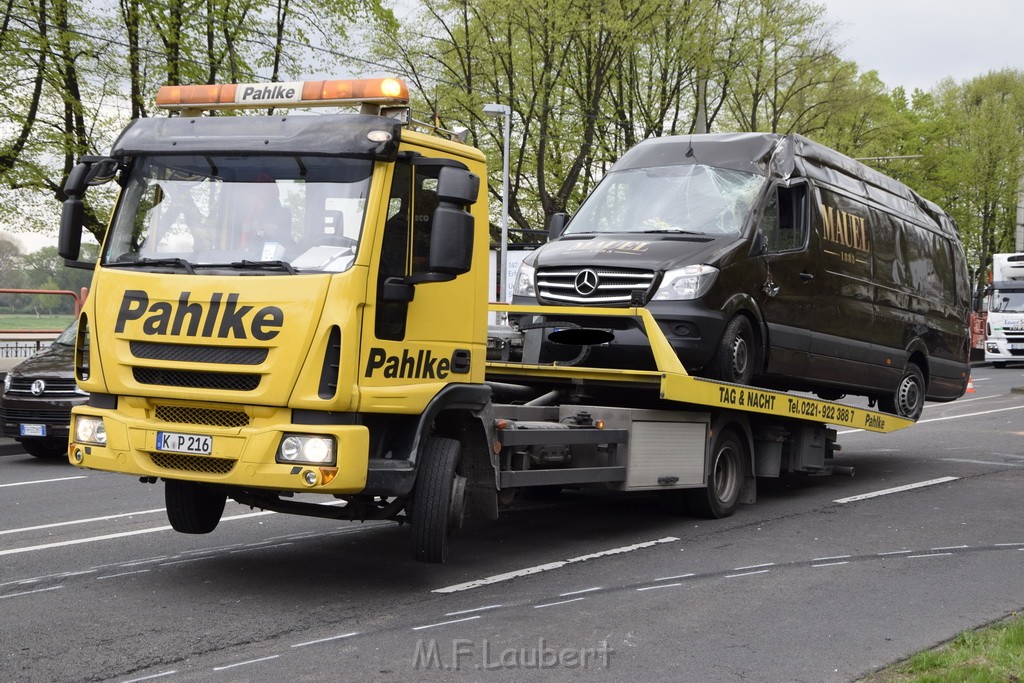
{"x": 664, "y": 585}
{"x": 498, "y": 578}
{"x": 326, "y": 640}
{"x": 191, "y": 559}
{"x": 754, "y": 566}
{"x": 585, "y": 590}
{"x": 38, "y": 590}
{"x": 149, "y": 678}
{"x": 251, "y": 661}
{"x": 1009, "y": 544}
{"x": 983, "y": 462}
{"x": 830, "y": 564}
{"x": 940, "y": 419}
{"x": 896, "y": 552}
{"x": 475, "y": 609}
{"x": 930, "y": 555}
{"x": 114, "y": 576}
{"x": 260, "y": 546}
{"x": 42, "y": 481}
{"x": 561, "y": 602}
{"x": 673, "y": 578}
{"x": 1012, "y": 456}
{"x": 136, "y": 563}
{"x": 107, "y": 537}
{"x": 827, "y": 559}
{"x": 444, "y": 623}
{"x": 79, "y": 521}
{"x": 896, "y": 489}
{"x": 736, "y": 576}
{"x": 952, "y": 547}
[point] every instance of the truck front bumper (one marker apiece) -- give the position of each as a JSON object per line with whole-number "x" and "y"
{"x": 242, "y": 450}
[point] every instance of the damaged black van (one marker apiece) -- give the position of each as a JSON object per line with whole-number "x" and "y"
{"x": 769, "y": 260}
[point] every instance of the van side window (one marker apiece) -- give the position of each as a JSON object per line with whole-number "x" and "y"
{"x": 785, "y": 219}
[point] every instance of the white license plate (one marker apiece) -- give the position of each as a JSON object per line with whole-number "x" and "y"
{"x": 194, "y": 444}
{"x": 1015, "y": 347}
{"x": 33, "y": 430}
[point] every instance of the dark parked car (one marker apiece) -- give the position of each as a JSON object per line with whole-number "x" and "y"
{"x": 39, "y": 392}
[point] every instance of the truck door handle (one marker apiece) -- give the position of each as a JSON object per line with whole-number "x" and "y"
{"x": 806, "y": 277}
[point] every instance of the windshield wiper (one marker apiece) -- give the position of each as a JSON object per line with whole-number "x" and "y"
{"x": 678, "y": 231}
{"x": 264, "y": 265}
{"x": 180, "y": 262}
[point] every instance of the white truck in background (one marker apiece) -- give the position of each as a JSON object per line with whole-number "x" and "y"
{"x": 1004, "y": 304}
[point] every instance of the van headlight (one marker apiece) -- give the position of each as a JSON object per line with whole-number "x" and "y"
{"x": 90, "y": 429}
{"x": 7, "y": 382}
{"x": 691, "y": 282}
{"x": 523, "y": 285}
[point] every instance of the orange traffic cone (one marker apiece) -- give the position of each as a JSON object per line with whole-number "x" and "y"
{"x": 970, "y": 386}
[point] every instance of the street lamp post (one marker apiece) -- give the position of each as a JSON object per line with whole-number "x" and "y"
{"x": 505, "y": 111}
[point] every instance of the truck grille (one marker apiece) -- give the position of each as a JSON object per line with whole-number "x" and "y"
{"x": 202, "y": 416}
{"x": 194, "y": 379}
{"x": 589, "y": 286}
{"x": 197, "y": 353}
{"x": 192, "y": 463}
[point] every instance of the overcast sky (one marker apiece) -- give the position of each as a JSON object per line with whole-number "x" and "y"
{"x": 917, "y": 43}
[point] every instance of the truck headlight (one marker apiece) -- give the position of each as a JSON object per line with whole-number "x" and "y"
{"x": 312, "y": 449}
{"x": 691, "y": 282}
{"x": 89, "y": 429}
{"x": 523, "y": 285}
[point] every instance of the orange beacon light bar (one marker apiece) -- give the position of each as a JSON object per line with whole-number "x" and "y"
{"x": 379, "y": 91}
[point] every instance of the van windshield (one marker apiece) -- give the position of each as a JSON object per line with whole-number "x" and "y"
{"x": 288, "y": 213}
{"x": 691, "y": 198}
{"x": 1007, "y": 301}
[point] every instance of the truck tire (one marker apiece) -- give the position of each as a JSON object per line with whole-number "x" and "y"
{"x": 726, "y": 475}
{"x": 736, "y": 356}
{"x": 193, "y": 508}
{"x": 908, "y": 398}
{"x": 438, "y": 500}
{"x": 47, "y": 449}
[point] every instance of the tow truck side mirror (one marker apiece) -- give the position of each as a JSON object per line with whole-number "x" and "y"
{"x": 72, "y": 214}
{"x": 451, "y": 237}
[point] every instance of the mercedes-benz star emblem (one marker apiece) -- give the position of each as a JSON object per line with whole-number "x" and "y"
{"x": 586, "y": 282}
{"x": 38, "y": 387}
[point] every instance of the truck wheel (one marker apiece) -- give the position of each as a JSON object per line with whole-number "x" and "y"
{"x": 725, "y": 479}
{"x": 438, "y": 499}
{"x": 193, "y": 508}
{"x": 47, "y": 449}
{"x": 736, "y": 356}
{"x": 908, "y": 399}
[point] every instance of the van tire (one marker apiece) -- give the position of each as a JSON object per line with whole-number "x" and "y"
{"x": 47, "y": 449}
{"x": 737, "y": 354}
{"x": 193, "y": 508}
{"x": 908, "y": 399}
{"x": 438, "y": 501}
{"x": 726, "y": 474}
{"x": 998, "y": 365}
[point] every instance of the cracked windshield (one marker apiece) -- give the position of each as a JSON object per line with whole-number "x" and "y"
{"x": 295, "y": 213}
{"x": 687, "y": 199}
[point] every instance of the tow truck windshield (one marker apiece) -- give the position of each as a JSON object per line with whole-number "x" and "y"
{"x": 274, "y": 214}
{"x": 669, "y": 199}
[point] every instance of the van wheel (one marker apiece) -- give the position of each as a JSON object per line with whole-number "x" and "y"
{"x": 438, "y": 500}
{"x": 47, "y": 449}
{"x": 736, "y": 357}
{"x": 193, "y": 508}
{"x": 998, "y": 365}
{"x": 908, "y": 399}
{"x": 725, "y": 479}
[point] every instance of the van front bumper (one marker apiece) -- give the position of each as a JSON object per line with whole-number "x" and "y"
{"x": 243, "y": 456}
{"x": 689, "y": 326}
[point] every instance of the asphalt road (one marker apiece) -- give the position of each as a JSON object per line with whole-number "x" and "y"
{"x": 801, "y": 586}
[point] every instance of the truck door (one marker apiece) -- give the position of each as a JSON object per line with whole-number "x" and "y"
{"x": 792, "y": 270}
{"x": 412, "y": 348}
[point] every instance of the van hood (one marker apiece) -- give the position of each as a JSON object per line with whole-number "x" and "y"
{"x": 56, "y": 360}
{"x": 657, "y": 252}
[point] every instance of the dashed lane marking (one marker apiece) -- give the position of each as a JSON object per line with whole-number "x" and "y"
{"x": 896, "y": 489}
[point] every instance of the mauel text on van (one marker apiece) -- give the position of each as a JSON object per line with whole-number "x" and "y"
{"x": 845, "y": 228}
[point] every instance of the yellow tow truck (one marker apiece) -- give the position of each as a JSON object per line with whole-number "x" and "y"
{"x": 297, "y": 304}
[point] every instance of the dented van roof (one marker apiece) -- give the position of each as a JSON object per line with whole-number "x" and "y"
{"x": 790, "y": 156}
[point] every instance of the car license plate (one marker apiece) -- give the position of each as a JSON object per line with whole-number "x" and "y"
{"x": 193, "y": 444}
{"x": 33, "y": 430}
{"x": 1015, "y": 347}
